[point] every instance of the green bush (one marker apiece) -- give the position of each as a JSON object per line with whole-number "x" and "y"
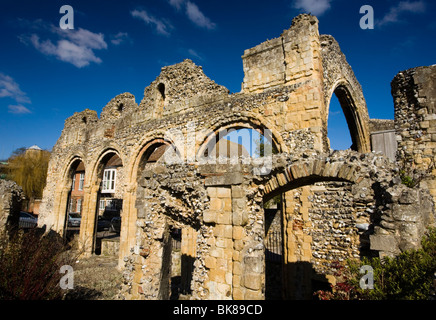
{"x": 408, "y": 276}
{"x": 30, "y": 265}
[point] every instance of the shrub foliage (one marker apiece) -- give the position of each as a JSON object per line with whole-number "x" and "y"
{"x": 30, "y": 265}
{"x": 408, "y": 276}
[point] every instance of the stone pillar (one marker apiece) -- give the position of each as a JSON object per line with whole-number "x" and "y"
{"x": 60, "y": 208}
{"x": 10, "y": 204}
{"x": 128, "y": 225}
{"x": 188, "y": 251}
{"x": 297, "y": 243}
{"x": 87, "y": 225}
{"x": 220, "y": 260}
{"x": 414, "y": 93}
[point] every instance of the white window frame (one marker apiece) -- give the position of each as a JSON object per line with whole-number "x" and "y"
{"x": 79, "y": 206}
{"x": 81, "y": 181}
{"x": 71, "y": 205}
{"x": 110, "y": 204}
{"x": 109, "y": 181}
{"x": 102, "y": 205}
{"x": 73, "y": 185}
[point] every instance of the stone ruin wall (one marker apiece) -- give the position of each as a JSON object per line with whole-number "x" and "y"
{"x": 335, "y": 206}
{"x": 414, "y": 93}
{"x": 11, "y": 196}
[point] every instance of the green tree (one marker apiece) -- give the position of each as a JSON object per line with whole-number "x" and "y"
{"x": 29, "y": 170}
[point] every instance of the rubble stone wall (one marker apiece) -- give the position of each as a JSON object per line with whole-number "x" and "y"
{"x": 414, "y": 93}
{"x": 11, "y": 196}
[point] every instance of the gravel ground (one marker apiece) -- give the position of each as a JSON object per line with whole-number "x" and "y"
{"x": 95, "y": 278}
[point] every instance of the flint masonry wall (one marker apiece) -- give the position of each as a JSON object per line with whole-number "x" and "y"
{"x": 11, "y": 196}
{"x": 414, "y": 93}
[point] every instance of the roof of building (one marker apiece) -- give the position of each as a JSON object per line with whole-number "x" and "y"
{"x": 34, "y": 147}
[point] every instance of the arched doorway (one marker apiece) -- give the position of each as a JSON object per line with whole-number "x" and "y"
{"x": 323, "y": 223}
{"x": 109, "y": 208}
{"x": 74, "y": 205}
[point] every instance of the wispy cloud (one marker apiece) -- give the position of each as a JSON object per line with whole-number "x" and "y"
{"x": 176, "y": 3}
{"x": 75, "y": 46}
{"x": 395, "y": 12}
{"x": 10, "y": 89}
{"x": 196, "y": 16}
{"x": 119, "y": 38}
{"x": 195, "y": 54}
{"x": 18, "y": 109}
{"x": 162, "y": 26}
{"x": 193, "y": 13}
{"x": 315, "y": 7}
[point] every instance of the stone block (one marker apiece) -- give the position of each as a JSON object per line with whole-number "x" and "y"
{"x": 384, "y": 243}
{"x": 225, "y": 218}
{"x": 253, "y": 281}
{"x": 227, "y": 204}
{"x": 238, "y": 294}
{"x": 223, "y": 192}
{"x": 238, "y": 232}
{"x": 224, "y": 179}
{"x": 209, "y": 216}
{"x": 238, "y": 192}
{"x": 216, "y": 204}
{"x": 210, "y": 262}
{"x": 211, "y": 191}
{"x": 239, "y": 218}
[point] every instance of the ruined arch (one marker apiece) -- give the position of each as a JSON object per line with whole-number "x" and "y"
{"x": 210, "y": 136}
{"x": 62, "y": 196}
{"x": 88, "y": 231}
{"x": 96, "y": 167}
{"x": 340, "y": 79}
{"x": 306, "y": 187}
{"x": 354, "y": 115}
{"x": 138, "y": 157}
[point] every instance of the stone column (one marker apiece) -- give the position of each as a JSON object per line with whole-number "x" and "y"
{"x": 220, "y": 260}
{"x": 128, "y": 225}
{"x": 414, "y": 96}
{"x": 87, "y": 225}
{"x": 297, "y": 243}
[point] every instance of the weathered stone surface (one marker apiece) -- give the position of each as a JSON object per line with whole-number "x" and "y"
{"x": 11, "y": 196}
{"x": 335, "y": 205}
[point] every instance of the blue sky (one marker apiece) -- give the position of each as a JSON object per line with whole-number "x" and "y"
{"x": 47, "y": 74}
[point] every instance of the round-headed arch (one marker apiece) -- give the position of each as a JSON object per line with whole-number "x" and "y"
{"x": 308, "y": 172}
{"x": 70, "y": 167}
{"x": 142, "y": 152}
{"x": 243, "y": 121}
{"x": 98, "y": 166}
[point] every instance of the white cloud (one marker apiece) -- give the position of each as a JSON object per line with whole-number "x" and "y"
{"x": 162, "y": 26}
{"x": 18, "y": 109}
{"x": 394, "y": 13}
{"x": 315, "y": 7}
{"x": 10, "y": 89}
{"x": 195, "y": 54}
{"x": 196, "y": 16}
{"x": 176, "y": 3}
{"x": 74, "y": 46}
{"x": 119, "y": 38}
